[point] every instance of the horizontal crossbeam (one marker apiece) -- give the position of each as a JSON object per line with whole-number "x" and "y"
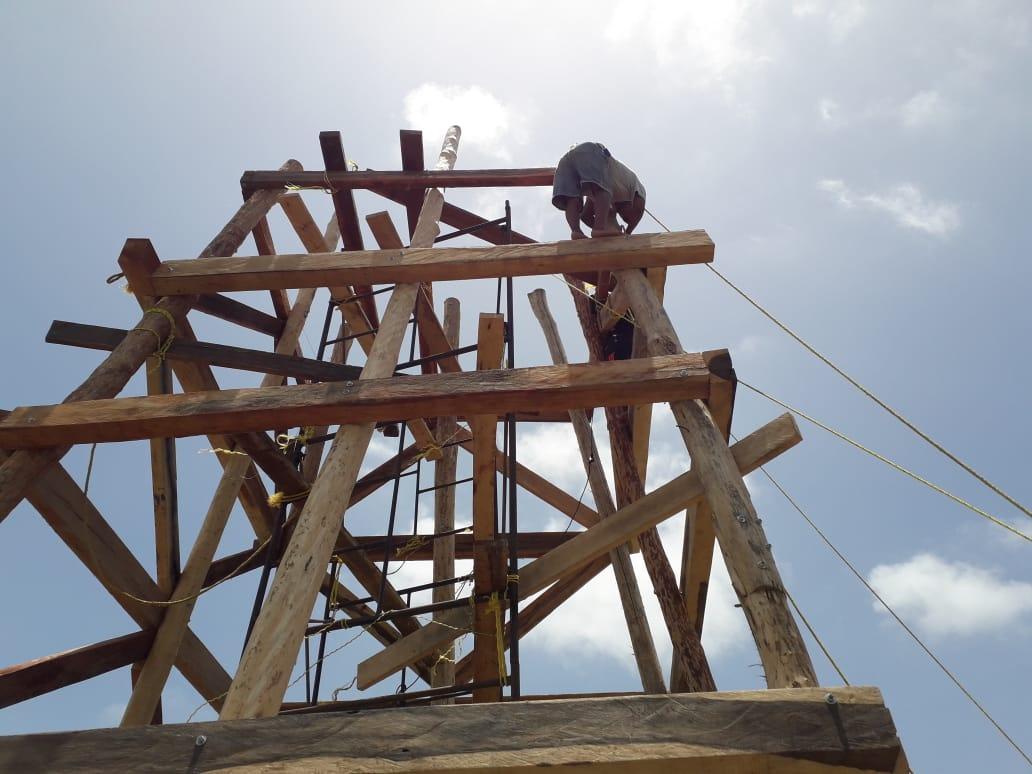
{"x": 630, "y": 382}
{"x": 425, "y": 264}
{"x": 254, "y": 180}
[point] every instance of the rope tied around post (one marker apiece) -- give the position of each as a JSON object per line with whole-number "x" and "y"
{"x": 163, "y": 345}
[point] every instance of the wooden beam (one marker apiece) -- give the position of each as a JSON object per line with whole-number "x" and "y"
{"x": 369, "y": 400}
{"x": 488, "y": 552}
{"x": 164, "y": 487}
{"x": 240, "y": 358}
{"x": 77, "y": 522}
{"x": 424, "y": 264}
{"x": 264, "y": 245}
{"x": 411, "y": 142}
{"x": 264, "y": 671}
{"x": 694, "y": 669}
{"x": 238, "y": 313}
{"x": 444, "y": 549}
{"x": 746, "y": 732}
{"x": 42, "y": 675}
{"x": 752, "y": 451}
{"x": 156, "y": 669}
{"x": 417, "y": 178}
{"x": 22, "y": 469}
{"x": 742, "y": 539}
{"x": 347, "y": 215}
{"x": 642, "y": 645}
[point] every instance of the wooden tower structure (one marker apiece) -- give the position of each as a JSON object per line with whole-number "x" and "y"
{"x": 292, "y": 456}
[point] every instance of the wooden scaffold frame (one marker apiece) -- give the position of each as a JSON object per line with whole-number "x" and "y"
{"x": 301, "y": 530}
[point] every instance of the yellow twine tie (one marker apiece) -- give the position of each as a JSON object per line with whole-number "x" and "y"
{"x": 414, "y": 542}
{"x": 494, "y": 605}
{"x": 276, "y": 499}
{"x": 283, "y": 440}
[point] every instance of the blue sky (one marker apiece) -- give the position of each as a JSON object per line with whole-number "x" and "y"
{"x": 861, "y": 167}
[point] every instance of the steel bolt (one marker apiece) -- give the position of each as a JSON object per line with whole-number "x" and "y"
{"x": 202, "y": 739}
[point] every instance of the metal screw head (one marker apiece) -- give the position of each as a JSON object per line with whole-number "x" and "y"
{"x": 202, "y": 739}
{"x": 830, "y": 698}
{"x": 761, "y": 564}
{"x": 741, "y": 519}
{"x": 349, "y": 385}
{"x": 683, "y": 372}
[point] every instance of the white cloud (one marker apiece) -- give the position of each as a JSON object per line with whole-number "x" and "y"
{"x": 830, "y": 113}
{"x": 923, "y": 109}
{"x": 842, "y": 16}
{"x": 705, "y": 43}
{"x": 951, "y": 598}
{"x": 904, "y": 202}
{"x": 488, "y": 124}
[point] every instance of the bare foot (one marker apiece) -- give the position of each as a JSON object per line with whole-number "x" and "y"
{"x": 578, "y": 235}
{"x": 605, "y": 232}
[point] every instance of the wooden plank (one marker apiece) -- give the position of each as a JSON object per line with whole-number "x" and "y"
{"x": 746, "y": 732}
{"x": 264, "y": 245}
{"x": 77, "y": 522}
{"x": 424, "y": 264}
{"x": 22, "y": 469}
{"x": 347, "y": 215}
{"x": 694, "y": 671}
{"x": 164, "y": 487}
{"x": 445, "y": 471}
{"x": 156, "y": 669}
{"x": 754, "y": 450}
{"x": 238, "y": 313}
{"x": 411, "y": 142}
{"x": 264, "y": 671}
{"x": 742, "y": 538}
{"x": 50, "y": 673}
{"x": 488, "y": 552}
{"x": 240, "y": 358}
{"x": 369, "y": 400}
{"x": 642, "y": 645}
{"x": 416, "y": 178}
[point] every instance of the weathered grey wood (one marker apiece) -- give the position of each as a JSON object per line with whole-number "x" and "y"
{"x": 254, "y": 180}
{"x": 368, "y": 400}
{"x": 22, "y": 468}
{"x": 643, "y": 647}
{"x": 264, "y": 671}
{"x": 742, "y": 538}
{"x": 444, "y": 511}
{"x": 749, "y": 732}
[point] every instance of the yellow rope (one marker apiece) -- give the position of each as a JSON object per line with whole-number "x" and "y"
{"x": 906, "y": 422}
{"x": 414, "y": 542}
{"x": 890, "y": 463}
{"x": 283, "y": 440}
{"x": 163, "y": 346}
{"x": 276, "y": 499}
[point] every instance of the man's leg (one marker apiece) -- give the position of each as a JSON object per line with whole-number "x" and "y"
{"x": 573, "y": 209}
{"x": 605, "y": 218}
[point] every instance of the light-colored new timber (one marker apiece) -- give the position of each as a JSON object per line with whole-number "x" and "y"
{"x": 264, "y": 670}
{"x": 742, "y": 539}
{"x": 754, "y": 450}
{"x": 620, "y": 557}
{"x": 422, "y": 264}
{"x": 147, "y": 691}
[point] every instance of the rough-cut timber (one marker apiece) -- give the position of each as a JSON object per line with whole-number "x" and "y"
{"x": 742, "y": 538}
{"x": 261, "y": 680}
{"x": 749, "y": 732}
{"x": 254, "y": 180}
{"x": 418, "y": 264}
{"x": 674, "y": 377}
{"x": 754, "y": 450}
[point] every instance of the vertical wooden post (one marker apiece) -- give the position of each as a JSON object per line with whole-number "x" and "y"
{"x": 488, "y": 549}
{"x": 687, "y": 646}
{"x": 742, "y": 539}
{"x": 443, "y": 673}
{"x": 261, "y": 680}
{"x": 147, "y": 690}
{"x": 626, "y": 581}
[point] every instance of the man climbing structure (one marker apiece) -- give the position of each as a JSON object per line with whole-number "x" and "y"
{"x": 592, "y": 186}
